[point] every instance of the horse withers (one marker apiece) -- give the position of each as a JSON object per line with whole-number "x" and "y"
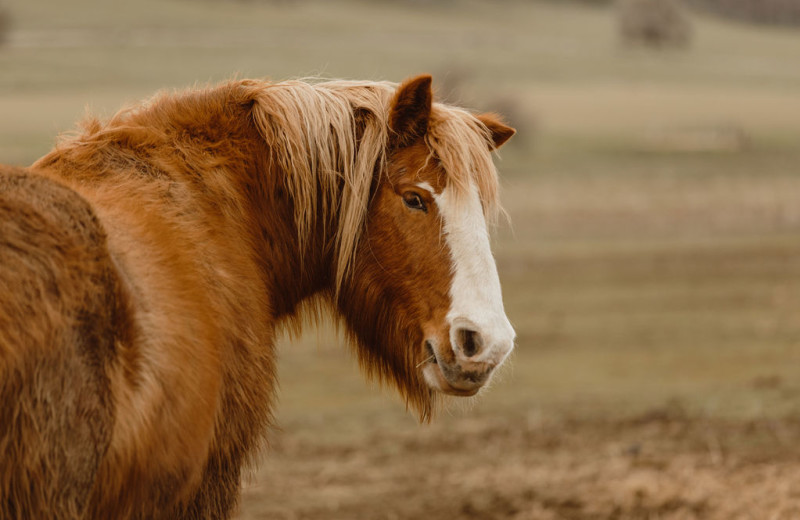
{"x": 148, "y": 262}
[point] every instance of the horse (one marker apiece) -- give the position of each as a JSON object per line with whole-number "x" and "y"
{"x": 148, "y": 262}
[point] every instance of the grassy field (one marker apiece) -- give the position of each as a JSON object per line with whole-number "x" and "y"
{"x": 652, "y": 269}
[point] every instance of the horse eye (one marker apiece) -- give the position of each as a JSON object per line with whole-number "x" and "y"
{"x": 414, "y": 201}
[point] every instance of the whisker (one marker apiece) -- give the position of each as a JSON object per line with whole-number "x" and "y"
{"x": 426, "y": 360}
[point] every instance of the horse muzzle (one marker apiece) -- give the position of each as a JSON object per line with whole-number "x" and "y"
{"x": 465, "y": 363}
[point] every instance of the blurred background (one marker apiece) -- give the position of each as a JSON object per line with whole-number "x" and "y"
{"x": 652, "y": 267}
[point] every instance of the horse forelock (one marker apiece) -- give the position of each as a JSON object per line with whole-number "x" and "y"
{"x": 460, "y": 142}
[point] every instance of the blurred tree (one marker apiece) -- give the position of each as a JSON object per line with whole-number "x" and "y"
{"x": 654, "y": 23}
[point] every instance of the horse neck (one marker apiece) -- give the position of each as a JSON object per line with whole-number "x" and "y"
{"x": 241, "y": 200}
{"x": 293, "y": 270}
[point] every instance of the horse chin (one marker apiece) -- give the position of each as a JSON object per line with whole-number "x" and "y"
{"x": 436, "y": 381}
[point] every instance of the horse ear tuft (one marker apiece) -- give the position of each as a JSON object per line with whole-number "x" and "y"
{"x": 501, "y": 132}
{"x": 411, "y": 109}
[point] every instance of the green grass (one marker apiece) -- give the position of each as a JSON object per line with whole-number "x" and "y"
{"x": 637, "y": 273}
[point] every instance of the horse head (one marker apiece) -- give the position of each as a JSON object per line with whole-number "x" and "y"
{"x": 423, "y": 301}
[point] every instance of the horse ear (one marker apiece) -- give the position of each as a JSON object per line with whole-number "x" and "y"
{"x": 411, "y": 109}
{"x": 501, "y": 132}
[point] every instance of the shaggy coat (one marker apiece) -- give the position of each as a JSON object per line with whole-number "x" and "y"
{"x": 147, "y": 263}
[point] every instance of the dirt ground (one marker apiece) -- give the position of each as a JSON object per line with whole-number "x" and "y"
{"x": 661, "y": 464}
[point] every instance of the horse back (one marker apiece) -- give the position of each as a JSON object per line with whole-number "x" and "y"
{"x": 59, "y": 319}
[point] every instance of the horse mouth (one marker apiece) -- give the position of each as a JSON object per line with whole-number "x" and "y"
{"x": 434, "y": 374}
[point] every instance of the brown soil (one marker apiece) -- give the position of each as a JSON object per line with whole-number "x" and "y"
{"x": 659, "y": 465}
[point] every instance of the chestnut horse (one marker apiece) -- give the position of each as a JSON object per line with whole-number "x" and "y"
{"x": 148, "y": 262}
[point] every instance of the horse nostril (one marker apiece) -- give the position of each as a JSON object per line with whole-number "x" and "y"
{"x": 470, "y": 342}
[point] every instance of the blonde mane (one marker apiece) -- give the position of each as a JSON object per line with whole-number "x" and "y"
{"x": 329, "y": 138}
{"x": 314, "y": 131}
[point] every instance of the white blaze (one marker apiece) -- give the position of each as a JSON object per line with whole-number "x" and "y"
{"x": 477, "y": 301}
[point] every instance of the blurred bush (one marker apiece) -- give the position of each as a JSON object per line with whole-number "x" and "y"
{"x": 778, "y": 12}
{"x": 654, "y": 23}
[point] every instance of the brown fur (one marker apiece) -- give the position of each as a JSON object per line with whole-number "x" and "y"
{"x": 146, "y": 263}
